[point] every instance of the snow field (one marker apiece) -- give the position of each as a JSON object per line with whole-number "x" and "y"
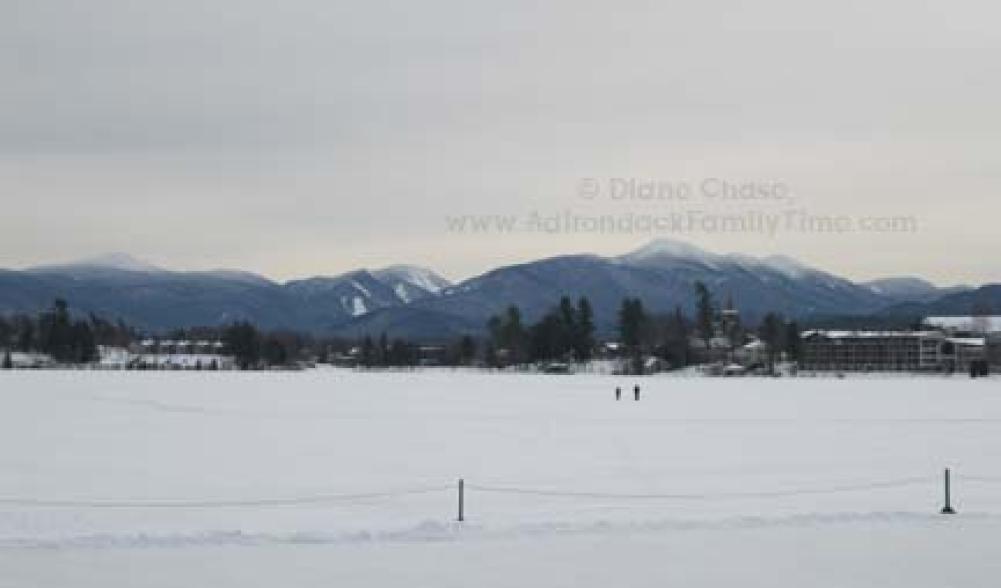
{"x": 120, "y": 473}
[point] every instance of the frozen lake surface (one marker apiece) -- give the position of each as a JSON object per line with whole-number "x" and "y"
{"x": 333, "y": 477}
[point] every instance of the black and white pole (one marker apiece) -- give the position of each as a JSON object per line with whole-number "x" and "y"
{"x": 947, "y": 509}
{"x": 462, "y": 500}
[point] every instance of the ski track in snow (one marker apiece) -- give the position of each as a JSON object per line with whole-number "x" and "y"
{"x": 436, "y": 531}
{"x": 190, "y": 409}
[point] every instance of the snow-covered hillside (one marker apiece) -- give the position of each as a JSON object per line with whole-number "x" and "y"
{"x": 361, "y": 292}
{"x": 341, "y": 478}
{"x": 412, "y": 282}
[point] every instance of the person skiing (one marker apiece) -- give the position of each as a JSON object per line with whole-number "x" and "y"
{"x": 636, "y": 392}
{"x": 618, "y": 393}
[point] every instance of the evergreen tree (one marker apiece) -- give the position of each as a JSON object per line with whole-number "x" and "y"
{"x": 368, "y": 355}
{"x": 676, "y": 347}
{"x": 274, "y": 352}
{"x": 705, "y": 313}
{"x": 733, "y": 330}
{"x": 56, "y": 333}
{"x": 793, "y": 342}
{"x": 26, "y": 336}
{"x": 583, "y": 335}
{"x": 8, "y": 361}
{"x": 633, "y": 323}
{"x": 547, "y": 338}
{"x": 82, "y": 344}
{"x": 244, "y": 343}
{"x": 772, "y": 332}
{"x": 515, "y": 335}
{"x": 383, "y": 351}
{"x": 507, "y": 333}
{"x": 6, "y": 333}
{"x": 467, "y": 350}
{"x": 399, "y": 353}
{"x": 632, "y": 320}
{"x": 568, "y": 325}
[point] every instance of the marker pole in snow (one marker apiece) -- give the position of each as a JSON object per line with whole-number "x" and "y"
{"x": 947, "y": 509}
{"x": 462, "y": 500}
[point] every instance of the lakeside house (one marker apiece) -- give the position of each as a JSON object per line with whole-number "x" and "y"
{"x": 167, "y": 354}
{"x": 30, "y": 360}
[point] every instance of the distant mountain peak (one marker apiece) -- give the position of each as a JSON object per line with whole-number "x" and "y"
{"x": 237, "y": 275}
{"x": 909, "y": 281}
{"x": 111, "y": 261}
{"x": 414, "y": 275}
{"x": 669, "y": 248}
{"x": 911, "y": 289}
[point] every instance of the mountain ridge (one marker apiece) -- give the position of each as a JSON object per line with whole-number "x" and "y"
{"x": 415, "y": 302}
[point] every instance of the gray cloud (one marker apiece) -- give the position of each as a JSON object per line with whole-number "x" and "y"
{"x": 345, "y": 132}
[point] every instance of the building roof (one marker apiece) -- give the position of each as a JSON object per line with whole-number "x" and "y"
{"x": 968, "y": 341}
{"x": 971, "y": 324}
{"x": 869, "y": 334}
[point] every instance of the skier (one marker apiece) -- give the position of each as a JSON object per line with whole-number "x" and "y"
{"x": 636, "y": 392}
{"x": 618, "y": 393}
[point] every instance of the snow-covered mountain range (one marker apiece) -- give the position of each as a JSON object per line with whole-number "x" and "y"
{"x": 416, "y": 302}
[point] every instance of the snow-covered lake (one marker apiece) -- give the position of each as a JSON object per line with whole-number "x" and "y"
{"x": 337, "y": 478}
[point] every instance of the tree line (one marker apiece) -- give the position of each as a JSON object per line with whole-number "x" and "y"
{"x": 73, "y": 340}
{"x": 252, "y": 348}
{"x": 567, "y": 333}
{"x": 57, "y": 334}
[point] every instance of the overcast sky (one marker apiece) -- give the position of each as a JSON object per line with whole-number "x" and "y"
{"x": 314, "y": 136}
